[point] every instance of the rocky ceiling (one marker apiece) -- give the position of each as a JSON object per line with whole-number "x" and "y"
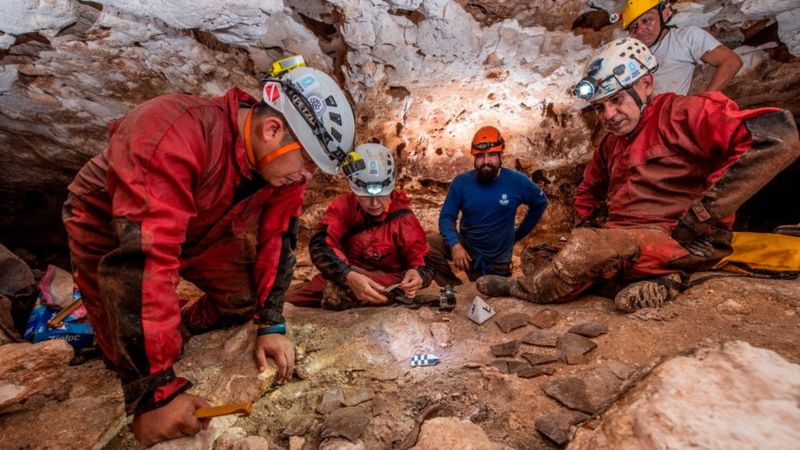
{"x": 423, "y": 74}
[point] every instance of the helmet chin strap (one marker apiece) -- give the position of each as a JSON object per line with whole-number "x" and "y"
{"x": 635, "y": 96}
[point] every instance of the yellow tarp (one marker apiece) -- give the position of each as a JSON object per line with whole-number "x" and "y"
{"x": 762, "y": 252}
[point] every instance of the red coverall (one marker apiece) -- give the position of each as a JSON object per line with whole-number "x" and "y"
{"x": 382, "y": 248}
{"x": 649, "y": 179}
{"x": 172, "y": 196}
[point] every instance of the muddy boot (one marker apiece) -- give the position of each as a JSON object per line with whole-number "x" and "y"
{"x": 545, "y": 286}
{"x": 494, "y": 285}
{"x": 653, "y": 293}
{"x": 336, "y": 297}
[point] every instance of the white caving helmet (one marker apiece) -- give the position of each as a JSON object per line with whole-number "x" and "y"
{"x": 379, "y": 173}
{"x": 316, "y": 110}
{"x": 613, "y": 67}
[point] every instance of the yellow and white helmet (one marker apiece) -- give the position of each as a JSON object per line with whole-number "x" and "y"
{"x": 316, "y": 110}
{"x": 379, "y": 173}
{"x": 614, "y": 67}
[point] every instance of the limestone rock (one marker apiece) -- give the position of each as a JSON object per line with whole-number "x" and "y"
{"x": 341, "y": 444}
{"x": 205, "y": 439}
{"x": 236, "y": 438}
{"x": 31, "y": 372}
{"x": 222, "y": 366}
{"x": 450, "y": 432}
{"x": 732, "y": 396}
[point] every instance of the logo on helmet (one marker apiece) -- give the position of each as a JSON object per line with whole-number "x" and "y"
{"x": 316, "y": 104}
{"x": 594, "y": 67}
{"x": 272, "y": 92}
{"x": 504, "y": 199}
{"x": 307, "y": 83}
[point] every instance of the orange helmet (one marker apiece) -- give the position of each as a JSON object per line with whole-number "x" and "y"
{"x": 487, "y": 140}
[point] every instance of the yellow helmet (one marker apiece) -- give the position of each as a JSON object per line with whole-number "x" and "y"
{"x": 635, "y": 8}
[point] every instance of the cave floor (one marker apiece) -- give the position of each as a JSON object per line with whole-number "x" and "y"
{"x": 371, "y": 348}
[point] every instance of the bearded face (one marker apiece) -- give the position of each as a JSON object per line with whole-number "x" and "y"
{"x": 487, "y": 166}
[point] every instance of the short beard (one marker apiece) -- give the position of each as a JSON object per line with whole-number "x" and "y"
{"x": 484, "y": 177}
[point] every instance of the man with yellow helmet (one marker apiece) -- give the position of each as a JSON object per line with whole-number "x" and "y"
{"x": 678, "y": 50}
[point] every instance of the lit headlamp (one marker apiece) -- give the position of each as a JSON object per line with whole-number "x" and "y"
{"x": 374, "y": 188}
{"x": 585, "y": 88}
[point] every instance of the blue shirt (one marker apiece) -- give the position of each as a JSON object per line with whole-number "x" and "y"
{"x": 488, "y": 212}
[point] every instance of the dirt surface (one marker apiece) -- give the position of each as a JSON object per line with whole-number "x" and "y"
{"x": 371, "y": 349}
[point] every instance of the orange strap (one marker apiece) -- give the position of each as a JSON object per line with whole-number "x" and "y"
{"x": 248, "y": 146}
{"x": 266, "y": 159}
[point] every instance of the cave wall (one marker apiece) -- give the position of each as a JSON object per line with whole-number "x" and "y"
{"x": 424, "y": 74}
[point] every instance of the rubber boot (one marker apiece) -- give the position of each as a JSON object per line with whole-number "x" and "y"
{"x": 494, "y": 285}
{"x": 649, "y": 293}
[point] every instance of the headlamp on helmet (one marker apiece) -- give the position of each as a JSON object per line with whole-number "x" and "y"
{"x": 377, "y": 174}
{"x": 315, "y": 108}
{"x": 614, "y": 67}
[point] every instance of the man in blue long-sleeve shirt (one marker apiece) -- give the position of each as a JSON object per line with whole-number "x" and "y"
{"x": 487, "y": 198}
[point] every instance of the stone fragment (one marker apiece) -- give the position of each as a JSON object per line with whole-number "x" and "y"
{"x": 730, "y": 396}
{"x": 589, "y": 329}
{"x": 341, "y": 444}
{"x": 235, "y": 438}
{"x": 356, "y": 396}
{"x": 332, "y": 400}
{"x": 516, "y": 366}
{"x": 453, "y": 433}
{"x": 501, "y": 365}
{"x": 380, "y": 406}
{"x": 558, "y": 425}
{"x": 348, "y": 422}
{"x": 620, "y": 369}
{"x": 505, "y": 349}
{"x": 541, "y": 338}
{"x": 533, "y": 372}
{"x": 442, "y": 334}
{"x": 512, "y": 321}
{"x": 296, "y": 442}
{"x": 545, "y": 318}
{"x": 31, "y": 370}
{"x": 573, "y": 347}
{"x": 539, "y": 358}
{"x": 206, "y": 439}
{"x": 299, "y": 425}
{"x": 571, "y": 392}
